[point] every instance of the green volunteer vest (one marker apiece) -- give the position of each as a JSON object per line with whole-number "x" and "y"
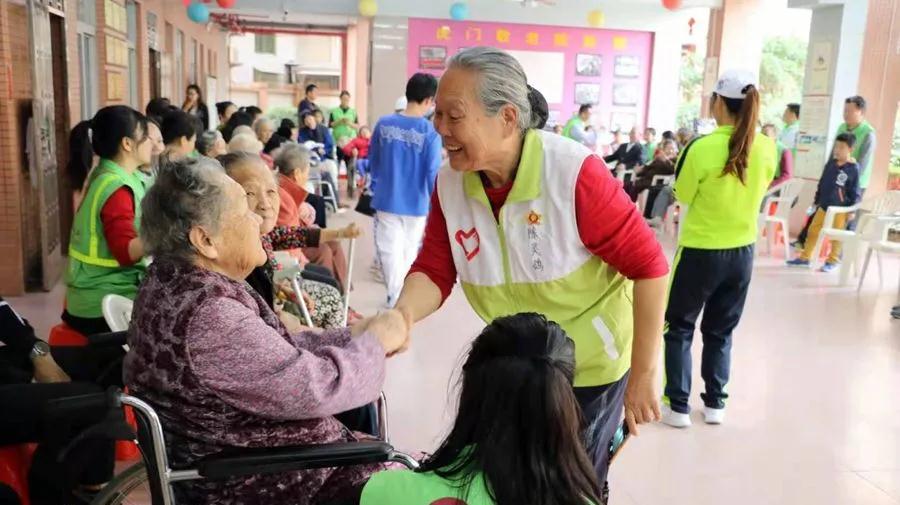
{"x": 405, "y": 487}
{"x": 779, "y": 152}
{"x": 649, "y": 151}
{"x": 532, "y": 258}
{"x": 575, "y": 121}
{"x": 861, "y": 131}
{"x": 93, "y": 272}
{"x": 343, "y": 131}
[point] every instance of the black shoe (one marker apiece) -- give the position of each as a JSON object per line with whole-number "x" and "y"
{"x": 895, "y": 312}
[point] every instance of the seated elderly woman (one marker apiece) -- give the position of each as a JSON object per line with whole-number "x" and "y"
{"x": 211, "y": 144}
{"x": 245, "y": 142}
{"x": 218, "y": 366}
{"x": 262, "y": 195}
{"x": 292, "y": 163}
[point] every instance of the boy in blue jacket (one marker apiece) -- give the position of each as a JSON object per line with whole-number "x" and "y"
{"x": 839, "y": 186}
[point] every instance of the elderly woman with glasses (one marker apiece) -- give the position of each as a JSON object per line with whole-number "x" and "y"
{"x": 213, "y": 359}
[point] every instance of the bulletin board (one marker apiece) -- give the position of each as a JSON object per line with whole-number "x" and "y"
{"x": 608, "y": 68}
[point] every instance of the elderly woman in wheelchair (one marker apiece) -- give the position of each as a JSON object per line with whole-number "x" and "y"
{"x": 217, "y": 365}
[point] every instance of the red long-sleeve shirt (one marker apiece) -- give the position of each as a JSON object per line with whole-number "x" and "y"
{"x": 117, "y": 216}
{"x": 609, "y": 225}
{"x": 359, "y": 143}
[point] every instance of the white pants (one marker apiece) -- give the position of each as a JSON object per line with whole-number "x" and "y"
{"x": 397, "y": 241}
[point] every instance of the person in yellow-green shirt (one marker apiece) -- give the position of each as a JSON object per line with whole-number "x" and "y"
{"x": 517, "y": 434}
{"x": 721, "y": 179}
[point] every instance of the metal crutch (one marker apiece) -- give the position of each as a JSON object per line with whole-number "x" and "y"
{"x": 350, "y": 253}
{"x": 295, "y": 283}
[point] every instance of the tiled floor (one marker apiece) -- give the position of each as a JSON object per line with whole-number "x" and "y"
{"x": 814, "y": 416}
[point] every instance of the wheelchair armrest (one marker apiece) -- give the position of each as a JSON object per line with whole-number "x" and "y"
{"x": 111, "y": 338}
{"x": 265, "y": 460}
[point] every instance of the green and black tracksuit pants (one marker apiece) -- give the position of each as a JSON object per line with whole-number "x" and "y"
{"x": 714, "y": 281}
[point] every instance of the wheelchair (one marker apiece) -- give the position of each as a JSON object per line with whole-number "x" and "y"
{"x": 154, "y": 475}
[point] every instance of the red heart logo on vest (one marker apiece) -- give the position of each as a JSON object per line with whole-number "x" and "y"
{"x": 470, "y": 242}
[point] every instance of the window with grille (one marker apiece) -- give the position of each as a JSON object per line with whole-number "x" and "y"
{"x": 264, "y": 43}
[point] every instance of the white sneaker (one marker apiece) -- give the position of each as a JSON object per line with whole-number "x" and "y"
{"x": 675, "y": 419}
{"x": 713, "y": 416}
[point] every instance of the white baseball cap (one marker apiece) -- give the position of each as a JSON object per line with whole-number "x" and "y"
{"x": 733, "y": 83}
{"x": 400, "y": 104}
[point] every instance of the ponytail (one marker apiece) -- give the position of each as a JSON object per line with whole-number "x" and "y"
{"x": 539, "y": 109}
{"x": 81, "y": 154}
{"x": 746, "y": 111}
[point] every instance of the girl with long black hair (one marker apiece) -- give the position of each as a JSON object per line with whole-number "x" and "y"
{"x": 721, "y": 178}
{"x": 517, "y": 434}
{"x": 105, "y": 253}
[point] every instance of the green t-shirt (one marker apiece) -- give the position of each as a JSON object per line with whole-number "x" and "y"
{"x": 722, "y": 212}
{"x": 405, "y": 487}
{"x": 342, "y": 131}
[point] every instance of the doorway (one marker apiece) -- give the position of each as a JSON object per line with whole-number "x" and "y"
{"x": 61, "y": 125}
{"x": 155, "y": 81}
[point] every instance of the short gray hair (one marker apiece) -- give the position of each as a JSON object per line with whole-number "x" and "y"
{"x": 263, "y": 121}
{"x": 206, "y": 141}
{"x": 290, "y": 157}
{"x": 245, "y": 142}
{"x": 187, "y": 193}
{"x": 502, "y": 80}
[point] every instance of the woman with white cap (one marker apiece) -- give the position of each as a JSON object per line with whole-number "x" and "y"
{"x": 721, "y": 178}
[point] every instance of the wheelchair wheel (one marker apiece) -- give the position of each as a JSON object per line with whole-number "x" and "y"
{"x": 129, "y": 487}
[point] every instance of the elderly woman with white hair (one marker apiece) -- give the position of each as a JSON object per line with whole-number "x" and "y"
{"x": 216, "y": 363}
{"x": 246, "y": 143}
{"x": 264, "y": 128}
{"x": 531, "y": 221}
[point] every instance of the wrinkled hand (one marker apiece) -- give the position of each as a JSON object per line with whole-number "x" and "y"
{"x": 351, "y": 231}
{"x": 291, "y": 322}
{"x": 641, "y": 400}
{"x": 310, "y": 303}
{"x": 46, "y": 371}
{"x": 391, "y": 329}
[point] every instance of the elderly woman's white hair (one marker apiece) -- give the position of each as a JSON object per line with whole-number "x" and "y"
{"x": 243, "y": 130}
{"x": 502, "y": 81}
{"x": 245, "y": 142}
{"x": 262, "y": 123}
{"x": 186, "y": 193}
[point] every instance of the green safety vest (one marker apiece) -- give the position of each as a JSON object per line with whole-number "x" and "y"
{"x": 93, "y": 272}
{"x": 861, "y": 131}
{"x": 533, "y": 260}
{"x": 343, "y": 131}
{"x": 575, "y": 121}
{"x": 722, "y": 211}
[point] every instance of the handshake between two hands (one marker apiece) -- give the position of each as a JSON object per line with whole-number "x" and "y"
{"x": 392, "y": 328}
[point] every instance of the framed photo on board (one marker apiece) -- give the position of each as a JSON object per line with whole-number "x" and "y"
{"x": 433, "y": 57}
{"x": 622, "y": 121}
{"x": 627, "y": 66}
{"x": 588, "y": 65}
{"x": 587, "y": 93}
{"x": 625, "y": 93}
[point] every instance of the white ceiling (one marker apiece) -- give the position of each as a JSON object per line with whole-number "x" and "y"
{"x": 343, "y": 12}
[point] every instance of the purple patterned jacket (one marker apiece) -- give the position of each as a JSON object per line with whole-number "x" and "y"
{"x": 222, "y": 371}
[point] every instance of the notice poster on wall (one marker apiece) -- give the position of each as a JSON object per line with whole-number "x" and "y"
{"x": 819, "y": 69}
{"x": 568, "y": 65}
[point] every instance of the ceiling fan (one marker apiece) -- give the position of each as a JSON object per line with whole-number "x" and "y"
{"x": 535, "y": 3}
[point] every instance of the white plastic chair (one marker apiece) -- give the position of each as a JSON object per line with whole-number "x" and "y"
{"x": 664, "y": 180}
{"x": 872, "y": 226}
{"x": 625, "y": 175}
{"x": 787, "y": 193}
{"x": 117, "y": 311}
{"x": 882, "y": 246}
